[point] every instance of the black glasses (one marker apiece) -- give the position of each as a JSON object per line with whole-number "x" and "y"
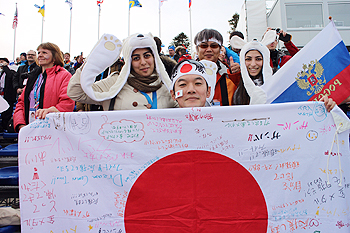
{"x": 30, "y": 54}
{"x": 212, "y": 45}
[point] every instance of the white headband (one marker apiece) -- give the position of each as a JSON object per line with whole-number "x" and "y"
{"x": 188, "y": 68}
{"x": 211, "y": 40}
{"x": 205, "y": 69}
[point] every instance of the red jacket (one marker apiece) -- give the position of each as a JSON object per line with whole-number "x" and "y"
{"x": 185, "y": 57}
{"x": 292, "y": 49}
{"x": 54, "y": 93}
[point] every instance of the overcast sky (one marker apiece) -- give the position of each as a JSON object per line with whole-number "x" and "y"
{"x": 114, "y": 20}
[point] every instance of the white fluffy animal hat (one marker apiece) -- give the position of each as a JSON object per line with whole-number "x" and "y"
{"x": 257, "y": 95}
{"x": 106, "y": 52}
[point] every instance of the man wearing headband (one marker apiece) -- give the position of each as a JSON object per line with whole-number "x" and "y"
{"x": 208, "y": 44}
{"x": 192, "y": 81}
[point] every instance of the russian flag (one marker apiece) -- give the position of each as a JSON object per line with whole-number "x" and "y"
{"x": 321, "y": 68}
{"x": 190, "y": 4}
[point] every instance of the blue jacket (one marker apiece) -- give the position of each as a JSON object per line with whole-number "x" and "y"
{"x": 230, "y": 53}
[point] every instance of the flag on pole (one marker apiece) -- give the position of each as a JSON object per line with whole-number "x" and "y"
{"x": 99, "y": 2}
{"x": 70, "y": 3}
{"x": 134, "y": 3}
{"x": 321, "y": 68}
{"x": 41, "y": 9}
{"x": 15, "y": 19}
{"x": 190, "y": 4}
{"x": 161, "y": 2}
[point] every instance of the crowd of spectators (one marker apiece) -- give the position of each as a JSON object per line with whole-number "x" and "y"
{"x": 47, "y": 80}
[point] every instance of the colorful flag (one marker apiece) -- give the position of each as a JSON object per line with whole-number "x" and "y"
{"x": 99, "y": 2}
{"x": 321, "y": 68}
{"x": 190, "y": 3}
{"x": 70, "y": 3}
{"x": 15, "y": 19}
{"x": 161, "y": 2}
{"x": 134, "y": 3}
{"x": 41, "y": 9}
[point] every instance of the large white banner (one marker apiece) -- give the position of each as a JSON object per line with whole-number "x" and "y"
{"x": 265, "y": 168}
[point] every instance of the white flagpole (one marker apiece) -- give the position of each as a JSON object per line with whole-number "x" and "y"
{"x": 70, "y": 29}
{"x": 99, "y": 15}
{"x": 191, "y": 44}
{"x": 14, "y": 38}
{"x": 129, "y": 22}
{"x": 160, "y": 18}
{"x": 42, "y": 23}
{"x": 14, "y": 45}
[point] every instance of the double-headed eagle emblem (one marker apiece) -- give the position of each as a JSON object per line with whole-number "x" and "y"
{"x": 311, "y": 78}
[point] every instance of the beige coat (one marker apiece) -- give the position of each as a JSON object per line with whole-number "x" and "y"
{"x": 127, "y": 99}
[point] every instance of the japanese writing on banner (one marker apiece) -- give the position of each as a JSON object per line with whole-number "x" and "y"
{"x": 269, "y": 168}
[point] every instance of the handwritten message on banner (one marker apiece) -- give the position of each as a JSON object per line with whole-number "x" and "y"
{"x": 269, "y": 168}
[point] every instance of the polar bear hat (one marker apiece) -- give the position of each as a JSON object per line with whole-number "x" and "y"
{"x": 100, "y": 58}
{"x": 257, "y": 95}
{"x": 137, "y": 41}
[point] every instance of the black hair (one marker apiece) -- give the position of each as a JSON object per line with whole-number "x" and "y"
{"x": 149, "y": 50}
{"x": 5, "y": 59}
{"x": 24, "y": 54}
{"x": 206, "y": 34}
{"x": 241, "y": 97}
{"x": 262, "y": 57}
{"x": 158, "y": 43}
{"x": 236, "y": 33}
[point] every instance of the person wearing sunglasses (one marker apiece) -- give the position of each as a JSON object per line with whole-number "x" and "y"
{"x": 208, "y": 44}
{"x": 21, "y": 76}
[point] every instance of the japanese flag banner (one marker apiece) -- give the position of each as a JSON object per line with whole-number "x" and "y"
{"x": 263, "y": 168}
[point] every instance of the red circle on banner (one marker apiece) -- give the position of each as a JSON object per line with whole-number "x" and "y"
{"x": 186, "y": 68}
{"x": 196, "y": 191}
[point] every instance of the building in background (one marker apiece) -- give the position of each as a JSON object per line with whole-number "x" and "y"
{"x": 302, "y": 19}
{"x": 252, "y": 19}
